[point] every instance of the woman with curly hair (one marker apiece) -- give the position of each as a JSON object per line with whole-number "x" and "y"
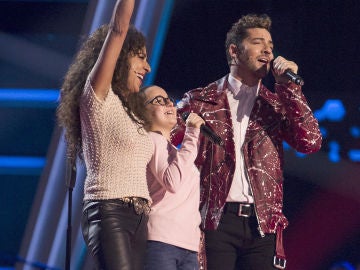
{"x": 100, "y": 128}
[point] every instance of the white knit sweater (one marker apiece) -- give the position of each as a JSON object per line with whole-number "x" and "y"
{"x": 116, "y": 152}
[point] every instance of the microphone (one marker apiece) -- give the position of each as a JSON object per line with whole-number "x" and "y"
{"x": 295, "y": 78}
{"x": 206, "y": 131}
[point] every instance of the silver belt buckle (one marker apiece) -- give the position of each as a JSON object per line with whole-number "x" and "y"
{"x": 279, "y": 263}
{"x": 241, "y": 206}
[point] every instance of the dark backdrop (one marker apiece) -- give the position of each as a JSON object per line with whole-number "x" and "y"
{"x": 322, "y": 37}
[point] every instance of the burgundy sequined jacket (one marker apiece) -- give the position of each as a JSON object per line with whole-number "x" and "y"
{"x": 275, "y": 117}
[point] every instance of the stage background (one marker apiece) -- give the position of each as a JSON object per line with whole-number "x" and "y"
{"x": 39, "y": 39}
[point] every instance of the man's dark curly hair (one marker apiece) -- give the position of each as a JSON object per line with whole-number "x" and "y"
{"x": 238, "y": 31}
{"x": 68, "y": 114}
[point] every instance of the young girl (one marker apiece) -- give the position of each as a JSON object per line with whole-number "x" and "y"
{"x": 173, "y": 180}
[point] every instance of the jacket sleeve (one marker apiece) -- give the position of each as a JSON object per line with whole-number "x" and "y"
{"x": 301, "y": 128}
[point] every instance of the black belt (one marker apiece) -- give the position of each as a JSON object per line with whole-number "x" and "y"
{"x": 240, "y": 209}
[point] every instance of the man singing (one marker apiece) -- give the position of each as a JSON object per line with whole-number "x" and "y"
{"x": 242, "y": 182}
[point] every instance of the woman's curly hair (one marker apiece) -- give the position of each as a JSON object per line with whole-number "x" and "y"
{"x": 136, "y": 103}
{"x": 68, "y": 113}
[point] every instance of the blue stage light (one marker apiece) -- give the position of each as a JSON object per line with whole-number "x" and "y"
{"x": 354, "y": 155}
{"x": 355, "y": 131}
{"x": 37, "y": 98}
{"x": 333, "y": 110}
{"x": 20, "y": 165}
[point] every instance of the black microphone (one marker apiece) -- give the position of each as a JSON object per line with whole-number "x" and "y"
{"x": 295, "y": 78}
{"x": 206, "y": 131}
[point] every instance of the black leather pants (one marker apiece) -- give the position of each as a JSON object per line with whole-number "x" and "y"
{"x": 115, "y": 235}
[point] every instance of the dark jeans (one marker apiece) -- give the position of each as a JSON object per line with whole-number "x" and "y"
{"x": 162, "y": 256}
{"x": 237, "y": 245}
{"x": 115, "y": 235}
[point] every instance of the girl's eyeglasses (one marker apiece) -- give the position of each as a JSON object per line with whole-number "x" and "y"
{"x": 160, "y": 100}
